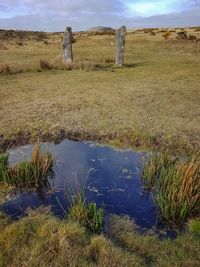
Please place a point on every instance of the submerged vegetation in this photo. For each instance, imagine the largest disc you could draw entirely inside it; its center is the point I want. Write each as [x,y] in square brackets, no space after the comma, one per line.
[87,214]
[82,105]
[41,239]
[176,184]
[27,175]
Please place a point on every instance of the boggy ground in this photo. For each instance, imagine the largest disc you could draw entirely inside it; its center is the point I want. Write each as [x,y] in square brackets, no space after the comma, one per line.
[153,99]
[43,240]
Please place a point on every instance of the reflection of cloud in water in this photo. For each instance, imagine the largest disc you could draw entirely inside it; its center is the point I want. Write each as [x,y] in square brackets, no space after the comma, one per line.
[72,163]
[110,177]
[20,154]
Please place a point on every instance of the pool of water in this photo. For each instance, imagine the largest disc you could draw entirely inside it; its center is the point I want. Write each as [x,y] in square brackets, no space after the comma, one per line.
[110,177]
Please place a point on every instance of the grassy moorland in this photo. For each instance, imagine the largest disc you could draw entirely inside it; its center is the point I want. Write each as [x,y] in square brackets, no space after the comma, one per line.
[43,240]
[153,99]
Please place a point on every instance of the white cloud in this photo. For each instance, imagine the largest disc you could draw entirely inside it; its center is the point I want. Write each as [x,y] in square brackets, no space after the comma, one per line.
[157,7]
[63,6]
[51,15]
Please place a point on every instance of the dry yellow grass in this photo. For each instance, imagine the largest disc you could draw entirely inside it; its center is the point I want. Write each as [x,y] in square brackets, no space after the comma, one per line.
[4,69]
[40,239]
[177,185]
[190,182]
[155,96]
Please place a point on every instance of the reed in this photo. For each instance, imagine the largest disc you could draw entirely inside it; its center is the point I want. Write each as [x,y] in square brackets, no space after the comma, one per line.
[87,214]
[154,166]
[27,175]
[3,166]
[43,162]
[177,186]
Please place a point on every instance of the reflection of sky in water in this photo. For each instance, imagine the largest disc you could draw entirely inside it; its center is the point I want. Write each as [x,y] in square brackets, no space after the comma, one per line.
[112,178]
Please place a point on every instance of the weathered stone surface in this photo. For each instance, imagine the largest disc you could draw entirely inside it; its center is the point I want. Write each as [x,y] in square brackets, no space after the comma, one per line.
[67,45]
[120,45]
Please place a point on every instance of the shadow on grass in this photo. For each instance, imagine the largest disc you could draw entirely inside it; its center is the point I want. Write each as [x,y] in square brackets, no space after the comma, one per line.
[135,65]
[113,67]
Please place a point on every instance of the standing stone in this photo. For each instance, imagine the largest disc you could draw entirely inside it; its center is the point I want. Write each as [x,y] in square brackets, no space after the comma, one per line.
[67,45]
[120,45]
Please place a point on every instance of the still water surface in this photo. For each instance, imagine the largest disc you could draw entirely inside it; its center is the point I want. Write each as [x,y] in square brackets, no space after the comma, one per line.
[110,177]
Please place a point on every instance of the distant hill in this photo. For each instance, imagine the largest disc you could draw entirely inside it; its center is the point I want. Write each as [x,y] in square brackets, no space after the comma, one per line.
[100,29]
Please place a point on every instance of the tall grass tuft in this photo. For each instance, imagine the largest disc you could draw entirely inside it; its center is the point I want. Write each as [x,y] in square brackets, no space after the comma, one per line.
[177,186]
[45,64]
[87,214]
[154,166]
[27,175]
[3,165]
[5,69]
[58,63]
[43,162]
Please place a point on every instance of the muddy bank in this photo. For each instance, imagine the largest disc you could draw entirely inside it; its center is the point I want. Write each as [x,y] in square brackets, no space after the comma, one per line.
[121,140]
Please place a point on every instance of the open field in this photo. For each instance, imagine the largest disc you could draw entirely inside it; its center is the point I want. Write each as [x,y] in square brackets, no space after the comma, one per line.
[153,101]
[154,98]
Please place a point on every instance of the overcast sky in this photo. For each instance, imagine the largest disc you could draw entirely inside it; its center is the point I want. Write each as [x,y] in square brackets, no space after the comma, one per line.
[55,15]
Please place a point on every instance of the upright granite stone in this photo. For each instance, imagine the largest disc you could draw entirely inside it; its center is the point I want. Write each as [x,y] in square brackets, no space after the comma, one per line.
[67,45]
[120,45]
